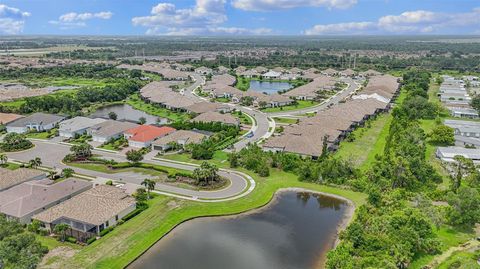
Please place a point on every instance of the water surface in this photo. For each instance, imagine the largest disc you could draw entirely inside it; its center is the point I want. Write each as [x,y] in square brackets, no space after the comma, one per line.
[269,87]
[127,113]
[296,231]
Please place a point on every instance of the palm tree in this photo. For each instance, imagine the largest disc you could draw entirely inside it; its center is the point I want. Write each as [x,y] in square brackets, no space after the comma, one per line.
[34,163]
[149,185]
[3,158]
[52,175]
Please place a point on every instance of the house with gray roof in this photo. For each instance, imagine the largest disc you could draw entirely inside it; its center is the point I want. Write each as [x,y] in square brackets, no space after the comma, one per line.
[213,116]
[448,154]
[37,121]
[77,126]
[109,129]
[23,201]
[10,178]
[90,212]
[181,137]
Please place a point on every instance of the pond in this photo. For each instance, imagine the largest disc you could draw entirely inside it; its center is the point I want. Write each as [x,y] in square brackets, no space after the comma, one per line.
[269,87]
[295,231]
[127,113]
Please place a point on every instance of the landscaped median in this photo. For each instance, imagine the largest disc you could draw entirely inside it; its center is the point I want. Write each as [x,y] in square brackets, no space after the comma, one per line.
[128,241]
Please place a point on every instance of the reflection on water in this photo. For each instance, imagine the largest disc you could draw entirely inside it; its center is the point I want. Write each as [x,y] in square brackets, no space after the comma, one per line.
[292,233]
[128,113]
[269,87]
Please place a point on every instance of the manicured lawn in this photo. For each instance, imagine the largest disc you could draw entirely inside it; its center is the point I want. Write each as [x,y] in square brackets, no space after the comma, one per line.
[104,169]
[285,120]
[128,241]
[137,103]
[52,243]
[243,83]
[41,135]
[301,104]
[219,158]
[461,260]
[244,119]
[11,166]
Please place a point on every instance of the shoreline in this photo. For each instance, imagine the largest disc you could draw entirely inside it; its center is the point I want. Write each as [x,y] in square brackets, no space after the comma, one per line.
[320,261]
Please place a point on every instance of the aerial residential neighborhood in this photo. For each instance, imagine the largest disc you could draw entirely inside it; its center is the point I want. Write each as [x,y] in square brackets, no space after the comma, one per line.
[261,134]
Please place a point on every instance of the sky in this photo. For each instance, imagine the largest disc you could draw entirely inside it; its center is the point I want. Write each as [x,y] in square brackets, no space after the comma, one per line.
[239,17]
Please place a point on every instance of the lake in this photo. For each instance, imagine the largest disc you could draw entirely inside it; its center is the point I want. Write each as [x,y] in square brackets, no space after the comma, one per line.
[294,231]
[269,87]
[127,113]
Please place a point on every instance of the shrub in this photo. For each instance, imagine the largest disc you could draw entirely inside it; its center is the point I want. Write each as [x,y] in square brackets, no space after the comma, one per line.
[106,231]
[91,240]
[72,239]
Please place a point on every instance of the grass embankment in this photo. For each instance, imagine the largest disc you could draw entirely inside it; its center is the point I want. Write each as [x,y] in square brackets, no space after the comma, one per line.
[286,120]
[219,158]
[130,240]
[137,103]
[301,105]
[147,169]
[369,140]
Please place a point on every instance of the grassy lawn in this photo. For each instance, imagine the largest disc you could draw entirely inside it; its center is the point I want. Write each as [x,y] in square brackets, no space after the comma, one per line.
[285,120]
[147,171]
[41,135]
[243,118]
[11,166]
[128,241]
[52,243]
[219,158]
[301,104]
[137,103]
[243,83]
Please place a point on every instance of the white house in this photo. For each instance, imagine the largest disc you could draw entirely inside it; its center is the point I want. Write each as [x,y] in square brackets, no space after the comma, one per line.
[77,126]
[37,121]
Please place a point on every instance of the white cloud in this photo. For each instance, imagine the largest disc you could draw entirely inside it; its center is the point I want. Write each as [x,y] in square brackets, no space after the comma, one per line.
[12,20]
[268,5]
[73,16]
[74,20]
[340,28]
[205,18]
[419,21]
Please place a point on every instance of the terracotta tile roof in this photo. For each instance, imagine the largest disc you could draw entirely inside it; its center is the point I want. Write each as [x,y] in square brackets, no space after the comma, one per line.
[145,133]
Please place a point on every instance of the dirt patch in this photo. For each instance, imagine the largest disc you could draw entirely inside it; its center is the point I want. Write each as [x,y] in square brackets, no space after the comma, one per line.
[54,257]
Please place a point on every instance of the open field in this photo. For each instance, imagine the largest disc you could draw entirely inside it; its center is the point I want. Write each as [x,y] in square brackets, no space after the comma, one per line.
[43,51]
[128,241]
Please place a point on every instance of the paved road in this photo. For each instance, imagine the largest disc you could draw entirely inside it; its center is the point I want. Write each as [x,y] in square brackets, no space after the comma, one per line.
[352,87]
[52,154]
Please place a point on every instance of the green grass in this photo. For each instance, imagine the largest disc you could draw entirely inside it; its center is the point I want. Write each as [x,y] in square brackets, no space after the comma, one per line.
[11,166]
[243,83]
[285,120]
[52,243]
[244,119]
[461,260]
[41,135]
[369,142]
[301,105]
[219,158]
[130,240]
[147,171]
[137,103]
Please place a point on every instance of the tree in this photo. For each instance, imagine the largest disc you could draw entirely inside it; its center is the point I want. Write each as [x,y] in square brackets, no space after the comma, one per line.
[134,156]
[475,103]
[463,166]
[149,185]
[141,197]
[34,163]
[464,207]
[442,135]
[142,120]
[81,151]
[112,115]
[52,175]
[34,226]
[67,172]
[233,158]
[61,230]
[206,173]
[15,142]
[3,158]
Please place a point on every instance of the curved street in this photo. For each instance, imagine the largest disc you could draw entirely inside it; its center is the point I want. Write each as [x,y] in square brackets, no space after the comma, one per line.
[52,154]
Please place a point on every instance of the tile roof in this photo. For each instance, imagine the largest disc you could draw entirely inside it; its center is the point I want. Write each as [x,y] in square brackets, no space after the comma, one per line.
[213,116]
[8,117]
[190,137]
[79,123]
[111,128]
[145,133]
[36,118]
[10,178]
[95,206]
[32,196]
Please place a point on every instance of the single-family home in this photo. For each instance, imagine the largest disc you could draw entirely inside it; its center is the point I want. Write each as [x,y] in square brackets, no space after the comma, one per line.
[463,112]
[329,72]
[23,201]
[143,135]
[10,178]
[203,70]
[6,118]
[181,137]
[90,212]
[37,121]
[109,129]
[213,116]
[77,126]
[272,75]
